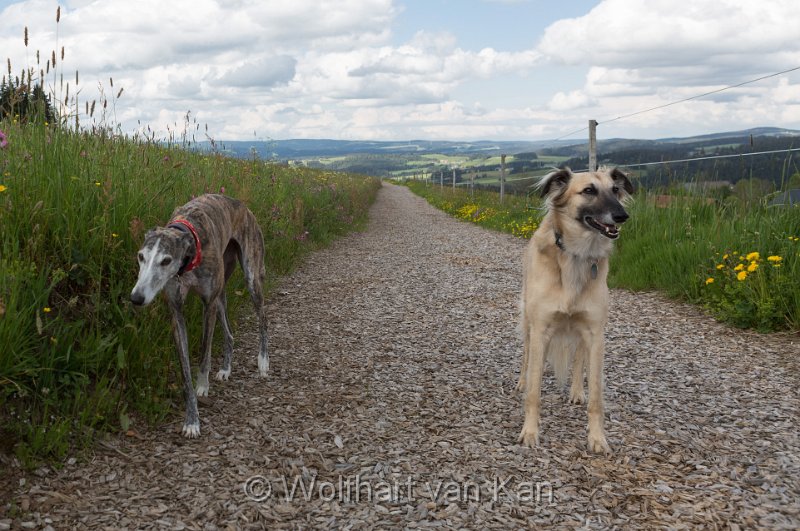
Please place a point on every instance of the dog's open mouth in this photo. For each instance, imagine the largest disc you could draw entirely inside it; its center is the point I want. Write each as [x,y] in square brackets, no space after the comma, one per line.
[609,231]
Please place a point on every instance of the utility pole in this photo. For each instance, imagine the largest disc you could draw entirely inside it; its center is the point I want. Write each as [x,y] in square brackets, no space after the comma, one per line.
[441,180]
[592,145]
[502,178]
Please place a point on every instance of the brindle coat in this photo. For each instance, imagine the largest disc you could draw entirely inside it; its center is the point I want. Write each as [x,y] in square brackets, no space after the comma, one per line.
[228,232]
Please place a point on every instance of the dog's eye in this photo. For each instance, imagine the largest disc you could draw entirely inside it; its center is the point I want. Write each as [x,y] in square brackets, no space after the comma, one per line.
[166,261]
[590,190]
[140,257]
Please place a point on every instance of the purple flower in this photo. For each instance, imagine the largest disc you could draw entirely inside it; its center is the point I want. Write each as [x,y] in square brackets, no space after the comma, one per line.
[3,140]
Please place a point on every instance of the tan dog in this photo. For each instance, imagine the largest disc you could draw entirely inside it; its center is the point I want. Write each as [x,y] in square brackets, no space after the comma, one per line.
[564,293]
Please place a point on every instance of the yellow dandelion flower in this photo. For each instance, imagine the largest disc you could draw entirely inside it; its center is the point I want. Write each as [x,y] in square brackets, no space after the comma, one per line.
[742,275]
[753,256]
[724,256]
[97,183]
[709,280]
[3,188]
[720,266]
[739,267]
[47,310]
[752,267]
[774,258]
[114,235]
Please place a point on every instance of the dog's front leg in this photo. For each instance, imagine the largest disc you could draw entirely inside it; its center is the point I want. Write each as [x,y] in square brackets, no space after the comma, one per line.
[191,428]
[537,346]
[597,436]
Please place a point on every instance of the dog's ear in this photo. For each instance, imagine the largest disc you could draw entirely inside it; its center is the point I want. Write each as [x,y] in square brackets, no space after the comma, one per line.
[556,180]
[150,233]
[622,180]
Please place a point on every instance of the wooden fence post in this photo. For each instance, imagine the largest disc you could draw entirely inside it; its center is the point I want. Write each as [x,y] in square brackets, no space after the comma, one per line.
[502,178]
[592,145]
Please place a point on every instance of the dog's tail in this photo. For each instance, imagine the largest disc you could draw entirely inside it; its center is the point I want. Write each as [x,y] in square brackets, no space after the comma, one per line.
[561,354]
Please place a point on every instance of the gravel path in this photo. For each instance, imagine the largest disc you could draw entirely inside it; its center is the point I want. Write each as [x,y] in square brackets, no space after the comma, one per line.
[390,404]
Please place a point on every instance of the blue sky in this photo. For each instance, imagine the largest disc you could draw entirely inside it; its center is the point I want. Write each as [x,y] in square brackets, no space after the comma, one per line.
[403,69]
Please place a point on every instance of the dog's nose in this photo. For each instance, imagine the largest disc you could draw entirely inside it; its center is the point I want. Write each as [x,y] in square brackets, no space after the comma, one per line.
[137,299]
[620,217]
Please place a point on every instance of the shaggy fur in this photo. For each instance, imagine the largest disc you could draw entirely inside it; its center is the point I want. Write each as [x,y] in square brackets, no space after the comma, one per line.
[565,295]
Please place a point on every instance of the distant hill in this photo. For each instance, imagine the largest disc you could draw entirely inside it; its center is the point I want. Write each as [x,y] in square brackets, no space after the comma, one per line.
[301,149]
[415,157]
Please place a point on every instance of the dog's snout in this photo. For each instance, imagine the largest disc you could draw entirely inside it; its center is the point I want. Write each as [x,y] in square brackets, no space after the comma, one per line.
[137,298]
[620,217]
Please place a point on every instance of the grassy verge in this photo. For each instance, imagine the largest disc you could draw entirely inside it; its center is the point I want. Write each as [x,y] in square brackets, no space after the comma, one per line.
[515,215]
[742,263]
[74,207]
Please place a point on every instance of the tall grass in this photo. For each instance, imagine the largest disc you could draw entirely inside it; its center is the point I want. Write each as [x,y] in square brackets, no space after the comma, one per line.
[74,206]
[741,262]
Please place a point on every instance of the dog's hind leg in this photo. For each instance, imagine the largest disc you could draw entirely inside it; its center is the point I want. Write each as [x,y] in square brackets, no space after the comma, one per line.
[252,261]
[576,394]
[209,321]
[227,337]
[533,376]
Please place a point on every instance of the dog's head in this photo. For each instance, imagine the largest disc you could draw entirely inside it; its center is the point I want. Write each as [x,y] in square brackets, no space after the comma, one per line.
[594,199]
[163,253]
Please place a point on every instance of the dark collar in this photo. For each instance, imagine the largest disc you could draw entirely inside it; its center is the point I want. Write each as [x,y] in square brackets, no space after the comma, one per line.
[560,245]
[183,225]
[560,241]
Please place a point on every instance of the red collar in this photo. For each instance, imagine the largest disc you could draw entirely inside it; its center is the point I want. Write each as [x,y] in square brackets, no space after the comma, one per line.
[198,257]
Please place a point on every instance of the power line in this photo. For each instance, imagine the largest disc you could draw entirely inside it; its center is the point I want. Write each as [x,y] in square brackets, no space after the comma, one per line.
[710,157]
[684,100]
[701,95]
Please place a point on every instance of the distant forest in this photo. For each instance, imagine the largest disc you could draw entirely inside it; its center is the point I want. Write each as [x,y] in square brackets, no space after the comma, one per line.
[776,168]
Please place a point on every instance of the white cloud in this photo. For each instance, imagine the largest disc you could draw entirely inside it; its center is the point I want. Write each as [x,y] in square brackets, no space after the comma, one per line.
[309,68]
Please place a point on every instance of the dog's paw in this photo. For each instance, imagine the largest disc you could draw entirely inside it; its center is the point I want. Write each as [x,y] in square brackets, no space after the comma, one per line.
[529,437]
[263,366]
[223,375]
[598,444]
[201,389]
[191,431]
[521,385]
[577,396]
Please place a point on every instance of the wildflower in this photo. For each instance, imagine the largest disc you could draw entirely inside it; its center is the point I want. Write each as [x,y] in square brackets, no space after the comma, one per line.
[114,235]
[3,140]
[742,275]
[97,183]
[720,266]
[739,267]
[774,258]
[724,256]
[752,267]
[753,256]
[3,188]
[47,309]
[709,280]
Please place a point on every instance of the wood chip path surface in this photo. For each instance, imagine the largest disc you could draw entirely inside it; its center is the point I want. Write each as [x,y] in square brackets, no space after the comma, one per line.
[390,404]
